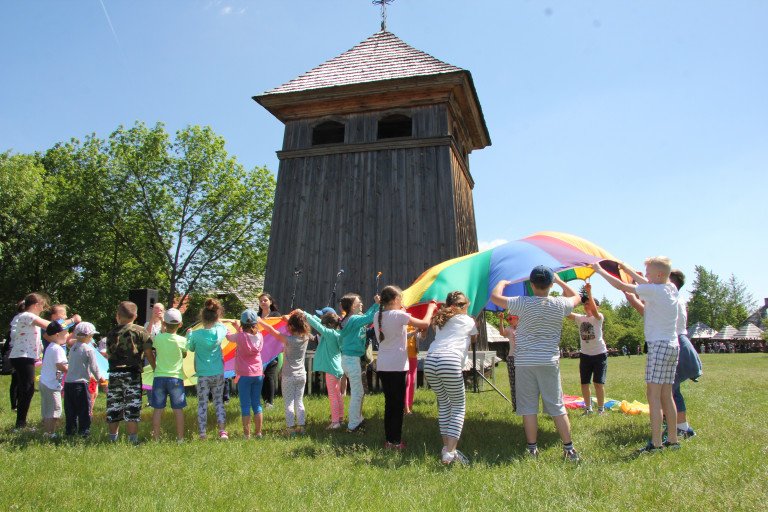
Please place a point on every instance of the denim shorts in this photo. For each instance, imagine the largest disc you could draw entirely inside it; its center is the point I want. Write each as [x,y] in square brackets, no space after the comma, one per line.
[164,387]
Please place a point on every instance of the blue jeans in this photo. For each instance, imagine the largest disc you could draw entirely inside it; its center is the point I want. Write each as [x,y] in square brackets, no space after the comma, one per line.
[351,367]
[164,387]
[250,394]
[77,408]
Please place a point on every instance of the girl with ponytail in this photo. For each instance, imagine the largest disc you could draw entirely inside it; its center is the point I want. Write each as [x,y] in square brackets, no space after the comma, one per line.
[209,364]
[443,369]
[391,327]
[27,348]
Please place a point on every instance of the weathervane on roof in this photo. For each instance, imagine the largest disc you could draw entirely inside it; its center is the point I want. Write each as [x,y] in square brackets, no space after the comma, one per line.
[383,4]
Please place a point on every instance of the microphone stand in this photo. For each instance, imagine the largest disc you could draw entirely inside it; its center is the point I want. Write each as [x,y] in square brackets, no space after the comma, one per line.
[332,298]
[296,275]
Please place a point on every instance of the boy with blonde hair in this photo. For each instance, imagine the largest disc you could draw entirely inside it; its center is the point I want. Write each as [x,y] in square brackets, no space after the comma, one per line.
[660,328]
[537,354]
[126,344]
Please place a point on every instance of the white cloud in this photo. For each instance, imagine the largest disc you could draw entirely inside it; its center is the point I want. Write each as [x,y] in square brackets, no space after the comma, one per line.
[226,10]
[484,246]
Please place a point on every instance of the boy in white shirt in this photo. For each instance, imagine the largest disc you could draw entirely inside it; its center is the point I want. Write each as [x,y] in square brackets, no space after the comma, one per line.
[593,360]
[660,327]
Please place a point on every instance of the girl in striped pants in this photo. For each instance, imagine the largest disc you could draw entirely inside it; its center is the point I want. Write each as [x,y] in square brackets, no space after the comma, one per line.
[443,369]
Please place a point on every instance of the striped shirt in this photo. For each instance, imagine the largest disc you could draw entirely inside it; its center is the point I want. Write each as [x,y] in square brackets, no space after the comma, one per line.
[537,339]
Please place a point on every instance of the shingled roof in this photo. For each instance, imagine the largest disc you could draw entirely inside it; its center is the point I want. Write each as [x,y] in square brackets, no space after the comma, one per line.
[383,56]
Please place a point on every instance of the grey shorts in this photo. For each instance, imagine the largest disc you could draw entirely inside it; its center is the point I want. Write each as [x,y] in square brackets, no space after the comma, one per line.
[50,402]
[532,382]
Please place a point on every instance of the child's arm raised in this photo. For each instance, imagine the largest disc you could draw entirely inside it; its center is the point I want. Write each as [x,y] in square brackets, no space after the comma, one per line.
[616,283]
[591,301]
[424,323]
[497,295]
[271,330]
[568,291]
[635,302]
[634,275]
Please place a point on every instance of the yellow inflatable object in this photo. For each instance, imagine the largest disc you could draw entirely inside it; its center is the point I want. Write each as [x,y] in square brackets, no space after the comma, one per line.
[634,407]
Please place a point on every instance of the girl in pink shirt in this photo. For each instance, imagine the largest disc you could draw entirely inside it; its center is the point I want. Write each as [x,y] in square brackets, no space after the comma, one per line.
[249,370]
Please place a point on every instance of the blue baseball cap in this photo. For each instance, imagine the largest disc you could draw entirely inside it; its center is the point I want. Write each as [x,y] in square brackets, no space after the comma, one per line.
[249,317]
[321,312]
[542,275]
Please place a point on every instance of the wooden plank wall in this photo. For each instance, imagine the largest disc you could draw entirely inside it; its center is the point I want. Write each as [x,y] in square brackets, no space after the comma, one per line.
[397,211]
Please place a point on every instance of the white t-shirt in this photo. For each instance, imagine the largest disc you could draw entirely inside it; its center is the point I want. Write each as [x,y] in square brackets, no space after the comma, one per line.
[49,374]
[26,337]
[591,334]
[153,329]
[682,318]
[453,338]
[537,339]
[509,332]
[660,317]
[393,349]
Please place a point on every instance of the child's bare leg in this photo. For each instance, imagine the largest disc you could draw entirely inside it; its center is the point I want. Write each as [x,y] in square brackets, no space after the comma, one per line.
[653,392]
[93,398]
[132,428]
[670,411]
[257,419]
[450,443]
[247,426]
[50,425]
[563,425]
[681,417]
[113,427]
[587,396]
[531,427]
[157,416]
[179,414]
[600,394]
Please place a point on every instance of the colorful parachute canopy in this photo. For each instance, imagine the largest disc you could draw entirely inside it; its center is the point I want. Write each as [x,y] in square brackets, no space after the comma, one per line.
[271,349]
[477,274]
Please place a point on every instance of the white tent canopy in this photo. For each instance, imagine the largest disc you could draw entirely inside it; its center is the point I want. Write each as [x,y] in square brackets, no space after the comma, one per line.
[726,333]
[700,330]
[750,332]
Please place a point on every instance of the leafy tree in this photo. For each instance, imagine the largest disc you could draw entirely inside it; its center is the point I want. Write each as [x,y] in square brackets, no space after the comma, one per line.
[205,219]
[718,303]
[24,200]
[88,220]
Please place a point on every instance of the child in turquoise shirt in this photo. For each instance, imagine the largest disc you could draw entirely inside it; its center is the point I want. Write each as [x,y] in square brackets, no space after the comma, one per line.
[209,365]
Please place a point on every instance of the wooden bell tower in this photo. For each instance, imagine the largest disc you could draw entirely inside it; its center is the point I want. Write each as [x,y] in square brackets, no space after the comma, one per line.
[374,171]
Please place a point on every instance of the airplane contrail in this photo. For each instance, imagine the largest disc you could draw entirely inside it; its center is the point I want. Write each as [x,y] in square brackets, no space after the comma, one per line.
[110,23]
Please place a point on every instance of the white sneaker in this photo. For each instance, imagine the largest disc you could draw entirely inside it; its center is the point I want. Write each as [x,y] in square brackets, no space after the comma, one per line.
[454,457]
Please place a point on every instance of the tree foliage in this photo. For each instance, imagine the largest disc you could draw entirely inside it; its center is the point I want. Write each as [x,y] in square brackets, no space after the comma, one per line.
[718,303]
[141,209]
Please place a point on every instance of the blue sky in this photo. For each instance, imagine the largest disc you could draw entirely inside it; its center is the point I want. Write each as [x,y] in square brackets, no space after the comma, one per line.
[641,126]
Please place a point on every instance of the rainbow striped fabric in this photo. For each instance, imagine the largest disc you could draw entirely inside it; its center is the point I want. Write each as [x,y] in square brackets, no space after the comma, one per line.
[477,274]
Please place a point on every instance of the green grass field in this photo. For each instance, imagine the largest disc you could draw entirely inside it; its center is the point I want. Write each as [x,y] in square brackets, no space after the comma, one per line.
[724,468]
